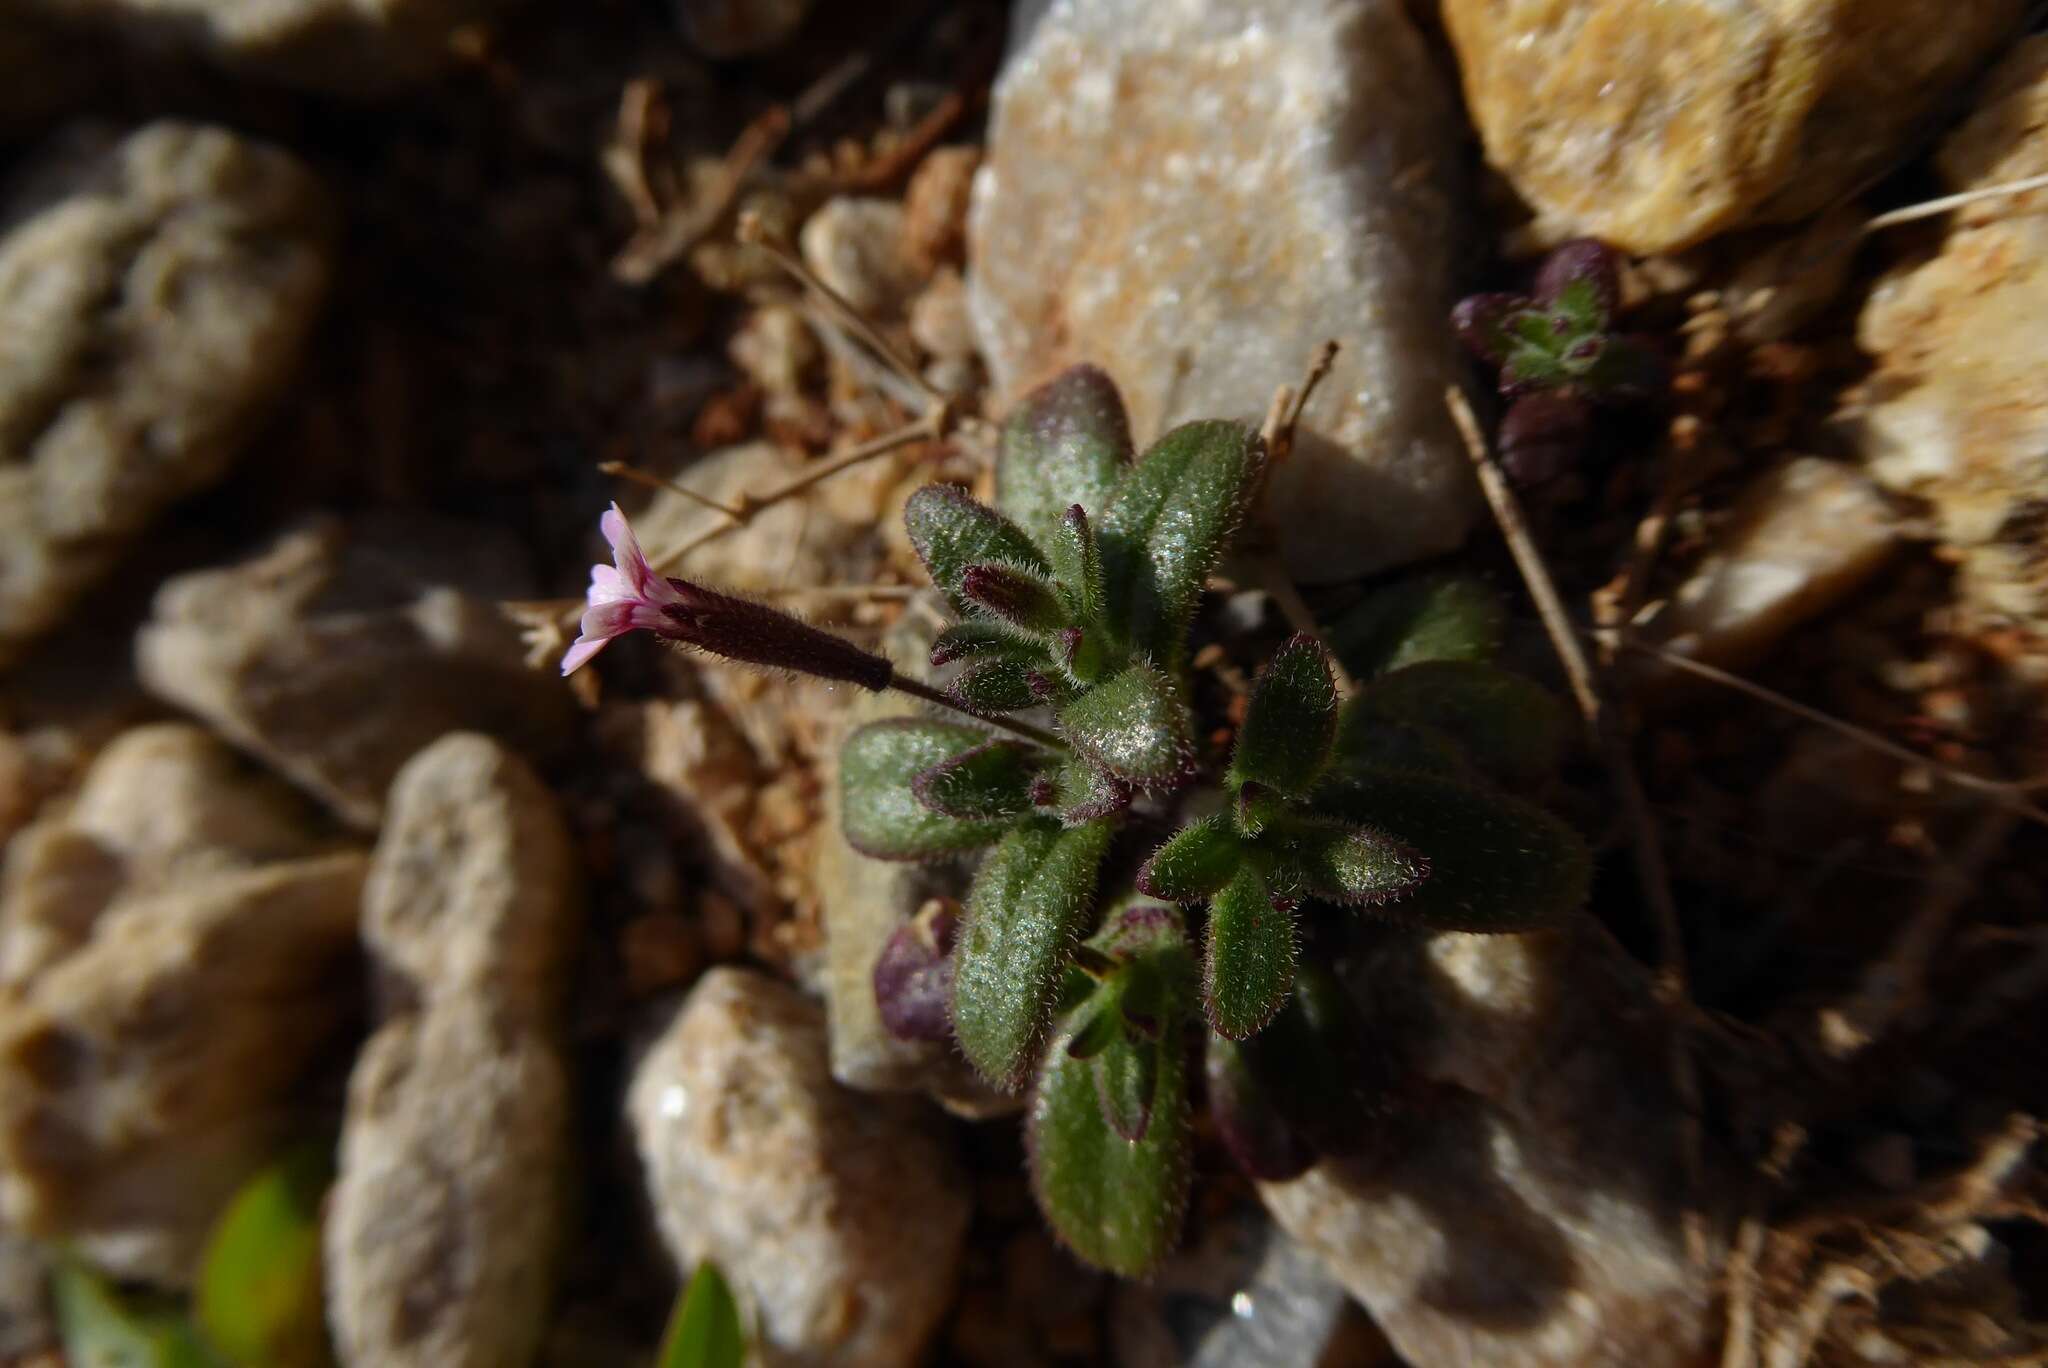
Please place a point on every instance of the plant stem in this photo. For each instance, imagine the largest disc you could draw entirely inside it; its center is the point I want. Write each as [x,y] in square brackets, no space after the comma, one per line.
[918,689]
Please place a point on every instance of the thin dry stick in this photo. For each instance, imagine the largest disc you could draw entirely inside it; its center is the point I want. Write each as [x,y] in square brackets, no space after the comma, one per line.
[2007,793]
[1282,416]
[1933,207]
[1651,872]
[621,470]
[657,246]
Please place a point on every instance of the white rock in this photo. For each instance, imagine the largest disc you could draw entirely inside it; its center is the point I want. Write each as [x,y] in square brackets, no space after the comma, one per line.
[155,295]
[281,653]
[1195,196]
[444,1225]
[1956,411]
[838,1218]
[1528,1216]
[1801,537]
[1655,126]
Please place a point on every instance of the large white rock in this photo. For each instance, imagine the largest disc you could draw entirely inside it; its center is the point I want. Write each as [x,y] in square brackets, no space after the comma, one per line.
[155,295]
[1527,1213]
[1195,195]
[1956,411]
[443,1229]
[838,1218]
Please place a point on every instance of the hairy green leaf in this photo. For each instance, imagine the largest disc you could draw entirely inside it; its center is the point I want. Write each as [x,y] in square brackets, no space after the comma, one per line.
[878,807]
[1126,1077]
[1077,565]
[1194,863]
[1362,867]
[1019,597]
[1081,793]
[1115,1203]
[1250,964]
[259,1293]
[1426,617]
[980,637]
[1248,1122]
[1171,520]
[992,781]
[1134,725]
[1509,726]
[1066,443]
[1285,740]
[951,530]
[704,1330]
[1029,902]
[1393,744]
[994,685]
[1497,863]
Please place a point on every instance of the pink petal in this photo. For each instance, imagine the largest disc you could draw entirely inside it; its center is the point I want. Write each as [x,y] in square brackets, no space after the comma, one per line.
[606,586]
[626,555]
[580,653]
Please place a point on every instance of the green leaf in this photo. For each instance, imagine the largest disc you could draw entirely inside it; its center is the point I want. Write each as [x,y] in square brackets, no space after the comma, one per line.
[1115,1203]
[991,781]
[1362,867]
[1171,520]
[879,809]
[1497,863]
[1194,863]
[101,1329]
[259,1294]
[1019,597]
[704,1329]
[1250,965]
[1077,565]
[1029,900]
[993,686]
[950,531]
[1391,744]
[1423,617]
[1126,1079]
[1067,443]
[1082,793]
[980,637]
[1291,721]
[1508,725]
[1134,725]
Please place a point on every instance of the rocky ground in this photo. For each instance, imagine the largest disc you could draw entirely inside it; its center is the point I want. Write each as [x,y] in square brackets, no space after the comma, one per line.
[318,319]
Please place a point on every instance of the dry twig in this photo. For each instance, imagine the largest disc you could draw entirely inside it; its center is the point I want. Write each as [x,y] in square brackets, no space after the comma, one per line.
[1282,417]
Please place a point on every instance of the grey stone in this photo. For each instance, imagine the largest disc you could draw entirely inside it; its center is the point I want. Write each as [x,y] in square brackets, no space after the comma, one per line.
[1655,126]
[283,653]
[1529,1213]
[150,1068]
[1195,196]
[155,296]
[444,1225]
[838,1219]
[1956,409]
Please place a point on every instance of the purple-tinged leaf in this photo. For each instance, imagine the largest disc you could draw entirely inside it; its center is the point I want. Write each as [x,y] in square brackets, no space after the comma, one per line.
[913,976]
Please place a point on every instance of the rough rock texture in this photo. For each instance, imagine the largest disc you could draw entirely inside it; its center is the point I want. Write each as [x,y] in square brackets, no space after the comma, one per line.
[1241,1293]
[1529,1212]
[155,294]
[1957,409]
[1655,126]
[279,652]
[176,956]
[1801,537]
[354,47]
[838,1218]
[1195,196]
[442,1229]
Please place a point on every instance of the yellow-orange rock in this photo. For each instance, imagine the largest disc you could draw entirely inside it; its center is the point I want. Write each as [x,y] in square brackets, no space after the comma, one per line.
[1657,125]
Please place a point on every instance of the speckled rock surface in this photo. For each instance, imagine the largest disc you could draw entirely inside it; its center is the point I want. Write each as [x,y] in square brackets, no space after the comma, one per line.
[1195,196]
[279,652]
[838,1218]
[1956,411]
[443,1227]
[177,955]
[1655,126]
[155,293]
[1529,1215]
[1800,538]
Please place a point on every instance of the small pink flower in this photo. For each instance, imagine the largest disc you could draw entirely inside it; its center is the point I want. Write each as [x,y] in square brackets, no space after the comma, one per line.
[624,596]
[627,596]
